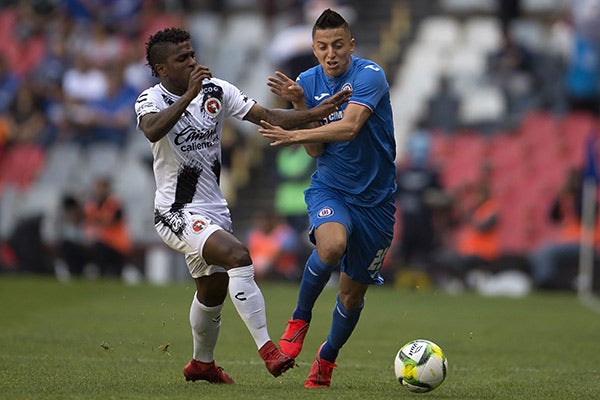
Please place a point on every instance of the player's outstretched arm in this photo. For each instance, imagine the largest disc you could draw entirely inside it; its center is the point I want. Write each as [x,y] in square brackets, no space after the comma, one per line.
[343,130]
[296,118]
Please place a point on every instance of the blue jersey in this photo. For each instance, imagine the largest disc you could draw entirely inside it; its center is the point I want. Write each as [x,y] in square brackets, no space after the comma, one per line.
[362,170]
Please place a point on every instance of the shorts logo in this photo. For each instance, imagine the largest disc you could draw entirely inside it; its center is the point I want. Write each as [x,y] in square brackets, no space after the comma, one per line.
[198,225]
[212,107]
[325,212]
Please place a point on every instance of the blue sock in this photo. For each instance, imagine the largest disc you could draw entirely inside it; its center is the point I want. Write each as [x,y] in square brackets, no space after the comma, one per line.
[316,275]
[342,326]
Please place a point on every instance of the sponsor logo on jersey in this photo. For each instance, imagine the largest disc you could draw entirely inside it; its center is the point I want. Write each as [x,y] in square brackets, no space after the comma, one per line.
[373,67]
[334,116]
[191,138]
[325,212]
[321,96]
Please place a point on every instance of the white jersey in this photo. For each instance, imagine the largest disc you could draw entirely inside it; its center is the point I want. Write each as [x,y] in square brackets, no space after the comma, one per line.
[187,160]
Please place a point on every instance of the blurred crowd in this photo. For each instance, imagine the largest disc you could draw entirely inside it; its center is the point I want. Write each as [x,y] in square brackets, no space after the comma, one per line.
[70,71]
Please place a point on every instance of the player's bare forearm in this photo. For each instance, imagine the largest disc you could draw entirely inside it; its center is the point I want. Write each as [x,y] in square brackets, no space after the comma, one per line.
[289,119]
[334,132]
[156,125]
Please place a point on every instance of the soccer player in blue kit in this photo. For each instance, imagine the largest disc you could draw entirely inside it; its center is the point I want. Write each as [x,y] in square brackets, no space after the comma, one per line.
[351,196]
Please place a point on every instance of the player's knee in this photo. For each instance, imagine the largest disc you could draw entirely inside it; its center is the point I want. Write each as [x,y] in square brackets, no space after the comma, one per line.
[239,257]
[351,301]
[331,252]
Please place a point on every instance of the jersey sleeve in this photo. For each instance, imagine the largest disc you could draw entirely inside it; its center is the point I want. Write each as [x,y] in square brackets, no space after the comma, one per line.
[369,86]
[146,103]
[237,103]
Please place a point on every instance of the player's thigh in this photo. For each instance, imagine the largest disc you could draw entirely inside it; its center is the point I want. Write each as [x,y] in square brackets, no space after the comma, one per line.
[187,234]
[330,223]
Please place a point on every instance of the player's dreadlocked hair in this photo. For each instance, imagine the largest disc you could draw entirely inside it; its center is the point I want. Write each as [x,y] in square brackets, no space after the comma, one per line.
[156,44]
[329,19]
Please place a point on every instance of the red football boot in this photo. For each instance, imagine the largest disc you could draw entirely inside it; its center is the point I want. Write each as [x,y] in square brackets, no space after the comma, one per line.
[197,370]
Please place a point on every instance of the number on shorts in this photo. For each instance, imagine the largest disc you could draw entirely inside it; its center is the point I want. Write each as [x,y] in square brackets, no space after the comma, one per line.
[378,261]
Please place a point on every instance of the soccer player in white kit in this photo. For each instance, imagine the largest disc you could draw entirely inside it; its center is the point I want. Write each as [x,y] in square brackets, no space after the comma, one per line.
[182,117]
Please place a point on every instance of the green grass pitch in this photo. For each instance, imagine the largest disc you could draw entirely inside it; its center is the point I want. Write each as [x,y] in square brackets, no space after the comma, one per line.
[105,340]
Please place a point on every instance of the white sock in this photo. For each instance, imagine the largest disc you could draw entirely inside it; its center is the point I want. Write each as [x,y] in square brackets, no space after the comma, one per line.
[206,323]
[249,302]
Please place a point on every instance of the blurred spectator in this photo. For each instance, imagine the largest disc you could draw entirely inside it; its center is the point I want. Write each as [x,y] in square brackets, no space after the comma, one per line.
[472,249]
[291,49]
[109,119]
[27,118]
[23,39]
[511,68]
[508,11]
[582,81]
[563,248]
[577,37]
[102,46]
[9,84]
[27,133]
[47,82]
[106,229]
[82,84]
[273,247]
[26,248]
[421,202]
[420,198]
[443,108]
[585,17]
[136,73]
[71,247]
[479,236]
[477,241]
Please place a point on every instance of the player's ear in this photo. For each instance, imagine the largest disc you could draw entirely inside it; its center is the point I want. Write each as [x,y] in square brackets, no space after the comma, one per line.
[160,69]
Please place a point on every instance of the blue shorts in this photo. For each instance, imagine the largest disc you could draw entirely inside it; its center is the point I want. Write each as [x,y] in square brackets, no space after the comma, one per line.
[370,231]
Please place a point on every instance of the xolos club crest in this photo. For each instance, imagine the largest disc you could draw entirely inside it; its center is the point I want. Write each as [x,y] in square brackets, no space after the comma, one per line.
[198,225]
[212,96]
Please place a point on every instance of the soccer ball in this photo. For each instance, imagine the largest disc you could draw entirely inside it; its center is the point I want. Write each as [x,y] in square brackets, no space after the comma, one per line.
[420,366]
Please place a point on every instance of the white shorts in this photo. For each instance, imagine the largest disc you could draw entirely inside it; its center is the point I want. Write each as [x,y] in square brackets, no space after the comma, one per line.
[187,233]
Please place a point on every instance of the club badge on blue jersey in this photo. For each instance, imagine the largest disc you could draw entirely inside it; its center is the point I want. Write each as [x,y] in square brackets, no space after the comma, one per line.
[325,212]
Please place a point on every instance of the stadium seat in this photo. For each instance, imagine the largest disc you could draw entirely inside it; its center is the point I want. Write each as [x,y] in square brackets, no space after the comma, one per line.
[483,32]
[20,165]
[440,32]
[62,166]
[101,159]
[468,6]
[482,105]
